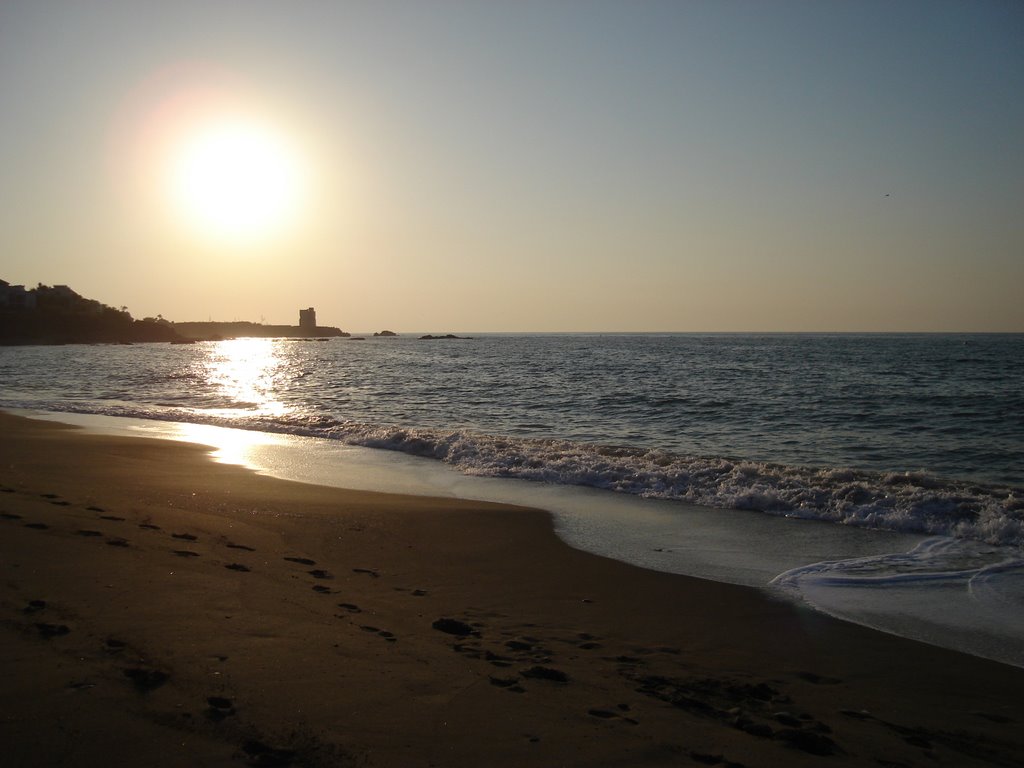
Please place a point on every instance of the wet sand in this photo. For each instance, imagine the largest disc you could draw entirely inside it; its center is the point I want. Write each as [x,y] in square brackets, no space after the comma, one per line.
[159,609]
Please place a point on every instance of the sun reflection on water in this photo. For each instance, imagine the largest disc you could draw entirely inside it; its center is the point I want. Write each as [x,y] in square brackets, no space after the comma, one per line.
[248,374]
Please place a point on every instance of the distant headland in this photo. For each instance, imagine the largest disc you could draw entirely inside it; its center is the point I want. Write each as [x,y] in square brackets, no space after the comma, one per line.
[306,329]
[59,315]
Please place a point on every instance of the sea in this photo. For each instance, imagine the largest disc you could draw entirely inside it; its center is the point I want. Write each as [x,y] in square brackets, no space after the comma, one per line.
[878,478]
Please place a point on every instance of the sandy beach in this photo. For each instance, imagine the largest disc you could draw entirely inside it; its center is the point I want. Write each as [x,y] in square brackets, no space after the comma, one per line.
[160,609]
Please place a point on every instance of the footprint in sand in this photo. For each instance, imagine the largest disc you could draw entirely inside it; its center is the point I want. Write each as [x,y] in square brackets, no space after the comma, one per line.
[496,660]
[607,714]
[146,678]
[627,660]
[320,574]
[504,682]
[301,560]
[184,536]
[89,534]
[241,546]
[33,606]
[38,526]
[389,636]
[454,627]
[61,503]
[149,527]
[10,516]
[321,589]
[185,553]
[546,673]
[367,571]
[52,630]
[350,607]
[219,708]
[237,567]
[114,518]
[470,651]
[49,496]
[95,509]
[263,754]
[118,542]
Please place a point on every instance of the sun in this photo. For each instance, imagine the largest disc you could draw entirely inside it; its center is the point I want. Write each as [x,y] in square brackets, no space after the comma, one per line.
[236,179]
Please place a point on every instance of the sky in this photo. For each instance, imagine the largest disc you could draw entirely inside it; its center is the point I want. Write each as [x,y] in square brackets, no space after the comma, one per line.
[537,165]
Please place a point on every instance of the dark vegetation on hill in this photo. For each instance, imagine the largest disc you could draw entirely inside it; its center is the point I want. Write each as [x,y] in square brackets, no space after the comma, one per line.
[59,315]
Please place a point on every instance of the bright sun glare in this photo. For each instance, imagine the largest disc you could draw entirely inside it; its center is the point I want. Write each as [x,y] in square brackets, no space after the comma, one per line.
[236,179]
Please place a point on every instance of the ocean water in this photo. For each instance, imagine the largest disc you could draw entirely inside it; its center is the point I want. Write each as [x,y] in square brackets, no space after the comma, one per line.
[879,478]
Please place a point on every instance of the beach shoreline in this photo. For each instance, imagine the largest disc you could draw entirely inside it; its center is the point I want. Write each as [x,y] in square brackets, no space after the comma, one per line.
[170,610]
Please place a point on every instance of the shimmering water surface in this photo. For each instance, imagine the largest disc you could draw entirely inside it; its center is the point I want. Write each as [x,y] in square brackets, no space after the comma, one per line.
[917,434]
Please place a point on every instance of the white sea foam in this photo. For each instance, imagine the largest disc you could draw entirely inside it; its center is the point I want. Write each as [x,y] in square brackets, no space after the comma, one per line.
[910,503]
[901,502]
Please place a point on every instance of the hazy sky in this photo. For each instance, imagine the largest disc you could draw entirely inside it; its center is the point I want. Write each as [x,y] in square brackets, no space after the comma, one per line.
[523,166]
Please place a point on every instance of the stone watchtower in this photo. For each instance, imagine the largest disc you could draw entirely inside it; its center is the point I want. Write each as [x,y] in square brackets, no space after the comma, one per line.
[307,319]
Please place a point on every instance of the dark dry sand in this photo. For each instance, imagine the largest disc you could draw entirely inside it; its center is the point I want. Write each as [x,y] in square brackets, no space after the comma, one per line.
[159,609]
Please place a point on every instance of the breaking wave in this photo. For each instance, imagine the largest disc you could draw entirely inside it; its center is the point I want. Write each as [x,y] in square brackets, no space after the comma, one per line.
[905,502]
